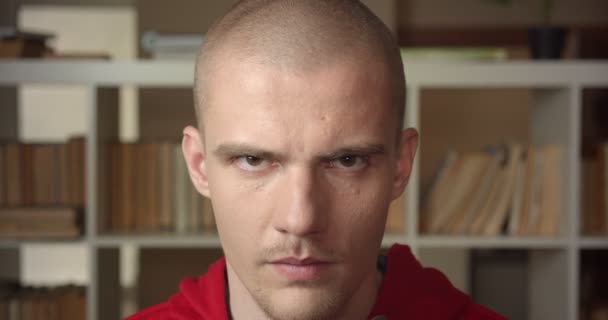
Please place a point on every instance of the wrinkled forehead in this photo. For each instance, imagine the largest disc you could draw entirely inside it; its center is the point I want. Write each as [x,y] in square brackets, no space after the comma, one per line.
[345,77]
[249,100]
[235,68]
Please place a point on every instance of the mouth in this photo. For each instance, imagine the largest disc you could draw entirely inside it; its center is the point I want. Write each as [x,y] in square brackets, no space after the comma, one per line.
[300,269]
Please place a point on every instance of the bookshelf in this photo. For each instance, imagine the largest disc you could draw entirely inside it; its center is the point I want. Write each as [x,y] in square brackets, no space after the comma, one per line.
[555,117]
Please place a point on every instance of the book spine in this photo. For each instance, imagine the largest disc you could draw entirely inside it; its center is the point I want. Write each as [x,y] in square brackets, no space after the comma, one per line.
[179,191]
[27,174]
[165,183]
[3,177]
[396,217]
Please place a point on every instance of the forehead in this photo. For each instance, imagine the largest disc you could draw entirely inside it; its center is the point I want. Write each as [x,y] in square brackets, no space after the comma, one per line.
[326,105]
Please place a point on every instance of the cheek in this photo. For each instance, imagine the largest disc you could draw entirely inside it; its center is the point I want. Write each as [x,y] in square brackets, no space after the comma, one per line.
[360,211]
[233,203]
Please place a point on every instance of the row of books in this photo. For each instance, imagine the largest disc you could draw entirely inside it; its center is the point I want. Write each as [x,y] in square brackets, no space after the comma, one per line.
[36,303]
[508,189]
[594,195]
[19,223]
[149,190]
[42,174]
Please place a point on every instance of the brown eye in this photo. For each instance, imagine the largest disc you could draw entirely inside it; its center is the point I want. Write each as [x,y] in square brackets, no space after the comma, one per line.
[349,162]
[252,163]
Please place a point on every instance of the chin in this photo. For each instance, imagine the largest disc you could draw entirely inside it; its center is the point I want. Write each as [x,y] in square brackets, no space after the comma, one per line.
[302,304]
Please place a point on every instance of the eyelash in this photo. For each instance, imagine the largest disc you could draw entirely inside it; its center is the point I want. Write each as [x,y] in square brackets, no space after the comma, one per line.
[363,159]
[235,160]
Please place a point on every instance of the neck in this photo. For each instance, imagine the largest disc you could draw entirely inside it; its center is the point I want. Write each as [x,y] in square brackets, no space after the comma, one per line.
[243,305]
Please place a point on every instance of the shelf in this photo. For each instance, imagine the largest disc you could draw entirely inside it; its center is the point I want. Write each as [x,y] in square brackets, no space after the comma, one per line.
[458,74]
[491,242]
[15,244]
[598,242]
[193,241]
[160,241]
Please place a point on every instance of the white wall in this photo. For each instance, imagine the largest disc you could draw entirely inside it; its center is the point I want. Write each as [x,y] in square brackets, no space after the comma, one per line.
[54,265]
[51,113]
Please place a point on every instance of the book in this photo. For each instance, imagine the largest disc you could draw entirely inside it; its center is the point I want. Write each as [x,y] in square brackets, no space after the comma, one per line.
[13,175]
[471,210]
[469,186]
[396,216]
[127,198]
[140,165]
[506,189]
[66,302]
[33,174]
[63,169]
[152,195]
[27,174]
[40,222]
[165,183]
[115,189]
[17,43]
[180,187]
[604,186]
[3,177]
[495,191]
[463,170]
[518,195]
[527,193]
[551,196]
[43,166]
[77,163]
[533,212]
[500,209]
[433,203]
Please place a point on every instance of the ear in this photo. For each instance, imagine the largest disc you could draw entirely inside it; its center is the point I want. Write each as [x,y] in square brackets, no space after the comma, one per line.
[194,154]
[407,151]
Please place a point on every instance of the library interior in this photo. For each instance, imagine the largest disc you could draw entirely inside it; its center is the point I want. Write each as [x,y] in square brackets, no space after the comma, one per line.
[94,95]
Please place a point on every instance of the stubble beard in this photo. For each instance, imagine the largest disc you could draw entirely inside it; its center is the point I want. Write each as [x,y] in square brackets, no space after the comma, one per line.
[326,307]
[309,301]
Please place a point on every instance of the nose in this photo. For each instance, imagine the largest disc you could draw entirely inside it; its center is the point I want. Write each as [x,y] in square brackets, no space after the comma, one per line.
[301,211]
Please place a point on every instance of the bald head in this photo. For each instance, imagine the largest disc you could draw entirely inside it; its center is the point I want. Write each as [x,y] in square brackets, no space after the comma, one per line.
[299,36]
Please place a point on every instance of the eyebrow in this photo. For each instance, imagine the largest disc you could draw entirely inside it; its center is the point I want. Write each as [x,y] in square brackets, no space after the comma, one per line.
[367,149]
[229,150]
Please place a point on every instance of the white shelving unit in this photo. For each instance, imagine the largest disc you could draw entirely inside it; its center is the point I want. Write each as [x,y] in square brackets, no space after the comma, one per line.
[555,118]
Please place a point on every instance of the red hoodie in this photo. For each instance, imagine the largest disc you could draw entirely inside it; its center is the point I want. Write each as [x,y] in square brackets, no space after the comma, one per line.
[408,291]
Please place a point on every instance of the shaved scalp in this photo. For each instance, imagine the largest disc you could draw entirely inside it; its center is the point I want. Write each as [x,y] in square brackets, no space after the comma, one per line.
[299,36]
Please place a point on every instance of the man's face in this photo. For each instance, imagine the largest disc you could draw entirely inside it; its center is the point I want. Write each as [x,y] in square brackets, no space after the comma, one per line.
[301,168]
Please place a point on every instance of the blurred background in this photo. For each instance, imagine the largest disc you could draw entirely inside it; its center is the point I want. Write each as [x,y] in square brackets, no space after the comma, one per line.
[98,218]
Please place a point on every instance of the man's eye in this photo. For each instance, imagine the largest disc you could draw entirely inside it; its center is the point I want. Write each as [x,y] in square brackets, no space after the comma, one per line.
[350,162]
[252,163]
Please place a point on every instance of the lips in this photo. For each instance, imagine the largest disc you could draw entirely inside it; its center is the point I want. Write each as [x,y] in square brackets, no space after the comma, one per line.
[295,269]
